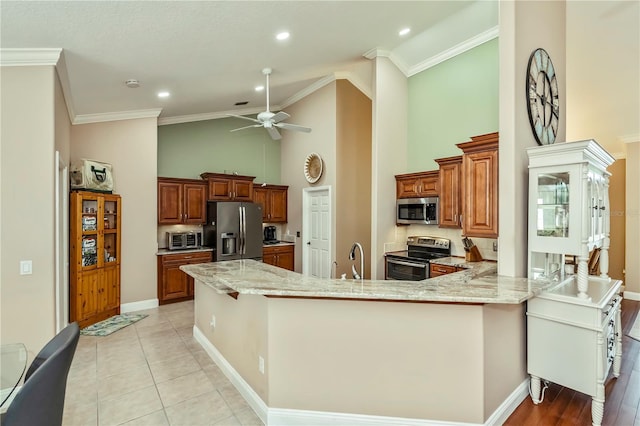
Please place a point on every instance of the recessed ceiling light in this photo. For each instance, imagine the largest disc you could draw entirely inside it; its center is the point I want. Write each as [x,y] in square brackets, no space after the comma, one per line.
[259,88]
[163,94]
[404,31]
[282,36]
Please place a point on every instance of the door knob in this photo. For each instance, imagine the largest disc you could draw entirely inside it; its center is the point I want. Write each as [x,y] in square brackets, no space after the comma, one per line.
[308,243]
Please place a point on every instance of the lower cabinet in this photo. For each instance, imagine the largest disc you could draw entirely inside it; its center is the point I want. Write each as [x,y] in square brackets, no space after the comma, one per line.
[281,256]
[436,270]
[173,284]
[96,295]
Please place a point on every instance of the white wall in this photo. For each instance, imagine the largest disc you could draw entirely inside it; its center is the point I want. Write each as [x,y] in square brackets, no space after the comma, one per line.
[131,147]
[521,34]
[318,112]
[389,157]
[27,204]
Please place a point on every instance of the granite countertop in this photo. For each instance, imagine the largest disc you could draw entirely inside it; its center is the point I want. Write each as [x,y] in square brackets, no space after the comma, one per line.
[279,243]
[477,284]
[163,251]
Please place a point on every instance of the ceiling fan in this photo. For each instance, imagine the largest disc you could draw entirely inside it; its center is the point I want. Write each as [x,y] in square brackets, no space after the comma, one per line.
[269,120]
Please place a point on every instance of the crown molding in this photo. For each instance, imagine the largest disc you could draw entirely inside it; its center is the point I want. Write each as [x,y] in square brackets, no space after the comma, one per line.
[30,57]
[381,53]
[459,48]
[629,138]
[116,116]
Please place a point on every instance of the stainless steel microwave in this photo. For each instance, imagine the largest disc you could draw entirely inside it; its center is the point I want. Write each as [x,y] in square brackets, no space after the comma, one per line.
[424,211]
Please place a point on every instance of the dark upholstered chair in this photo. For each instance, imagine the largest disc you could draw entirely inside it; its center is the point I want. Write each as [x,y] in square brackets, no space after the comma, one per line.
[40,401]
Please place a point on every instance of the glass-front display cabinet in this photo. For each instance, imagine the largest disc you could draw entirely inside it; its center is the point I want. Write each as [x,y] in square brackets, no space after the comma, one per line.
[568,209]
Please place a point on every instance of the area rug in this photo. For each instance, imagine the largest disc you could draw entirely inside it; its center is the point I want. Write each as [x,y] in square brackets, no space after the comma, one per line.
[634,333]
[111,325]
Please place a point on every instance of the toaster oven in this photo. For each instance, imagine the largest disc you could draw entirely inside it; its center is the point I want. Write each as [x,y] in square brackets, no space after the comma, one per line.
[184,240]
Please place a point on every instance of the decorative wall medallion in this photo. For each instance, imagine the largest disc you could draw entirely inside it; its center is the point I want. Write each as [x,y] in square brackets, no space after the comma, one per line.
[313,167]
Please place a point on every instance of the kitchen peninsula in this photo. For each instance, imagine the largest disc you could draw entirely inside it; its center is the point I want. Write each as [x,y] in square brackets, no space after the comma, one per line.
[304,350]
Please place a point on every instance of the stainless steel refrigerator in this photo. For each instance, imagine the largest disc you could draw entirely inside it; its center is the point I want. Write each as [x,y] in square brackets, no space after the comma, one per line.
[234,229]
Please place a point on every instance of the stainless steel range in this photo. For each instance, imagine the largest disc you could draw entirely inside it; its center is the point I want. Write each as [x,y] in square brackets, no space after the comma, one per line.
[413,264]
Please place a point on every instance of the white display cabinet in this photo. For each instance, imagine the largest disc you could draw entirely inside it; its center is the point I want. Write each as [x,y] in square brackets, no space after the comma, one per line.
[568,208]
[574,335]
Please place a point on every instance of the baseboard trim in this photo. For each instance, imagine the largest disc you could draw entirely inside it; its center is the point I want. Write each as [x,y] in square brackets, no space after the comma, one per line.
[139,306]
[291,417]
[254,400]
[631,295]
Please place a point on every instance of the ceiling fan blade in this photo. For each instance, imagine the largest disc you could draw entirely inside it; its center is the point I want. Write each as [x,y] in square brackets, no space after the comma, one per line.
[293,127]
[245,118]
[273,132]
[246,127]
[280,116]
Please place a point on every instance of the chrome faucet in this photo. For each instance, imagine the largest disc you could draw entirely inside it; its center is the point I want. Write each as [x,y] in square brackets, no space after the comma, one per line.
[352,256]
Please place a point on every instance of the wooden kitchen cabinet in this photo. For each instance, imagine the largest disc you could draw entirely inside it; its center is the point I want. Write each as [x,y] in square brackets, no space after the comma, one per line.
[273,199]
[450,181]
[480,193]
[173,284]
[94,257]
[281,256]
[224,187]
[182,201]
[417,185]
[436,270]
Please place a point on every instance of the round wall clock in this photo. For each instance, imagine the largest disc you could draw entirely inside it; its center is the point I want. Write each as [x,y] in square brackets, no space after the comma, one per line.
[312,167]
[543,104]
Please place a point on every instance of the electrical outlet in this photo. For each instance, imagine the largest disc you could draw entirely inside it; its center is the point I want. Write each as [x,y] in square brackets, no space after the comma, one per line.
[213,321]
[26,267]
[261,364]
[495,246]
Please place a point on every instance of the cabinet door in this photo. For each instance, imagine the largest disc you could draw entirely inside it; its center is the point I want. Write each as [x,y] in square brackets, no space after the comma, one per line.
[170,202]
[278,208]
[428,186]
[450,195]
[86,295]
[110,288]
[481,194]
[195,203]
[220,189]
[174,281]
[261,196]
[285,260]
[242,190]
[407,188]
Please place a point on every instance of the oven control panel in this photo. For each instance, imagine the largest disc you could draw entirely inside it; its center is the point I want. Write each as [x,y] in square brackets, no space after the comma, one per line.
[433,242]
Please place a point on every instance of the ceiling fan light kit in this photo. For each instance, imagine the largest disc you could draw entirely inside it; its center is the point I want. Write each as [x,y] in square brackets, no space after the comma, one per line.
[269,120]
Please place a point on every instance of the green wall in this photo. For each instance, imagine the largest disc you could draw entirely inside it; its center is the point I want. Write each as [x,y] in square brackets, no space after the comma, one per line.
[187,149]
[451,102]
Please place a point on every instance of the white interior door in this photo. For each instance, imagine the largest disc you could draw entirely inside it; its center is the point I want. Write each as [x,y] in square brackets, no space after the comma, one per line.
[61,242]
[316,228]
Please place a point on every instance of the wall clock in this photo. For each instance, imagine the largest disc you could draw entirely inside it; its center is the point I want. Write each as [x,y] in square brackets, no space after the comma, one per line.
[312,167]
[543,104]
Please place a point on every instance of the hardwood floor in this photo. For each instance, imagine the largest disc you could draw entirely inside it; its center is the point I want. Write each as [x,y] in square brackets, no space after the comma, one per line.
[563,406]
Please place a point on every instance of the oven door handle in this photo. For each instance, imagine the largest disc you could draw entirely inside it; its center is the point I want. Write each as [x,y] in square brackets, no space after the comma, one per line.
[413,265]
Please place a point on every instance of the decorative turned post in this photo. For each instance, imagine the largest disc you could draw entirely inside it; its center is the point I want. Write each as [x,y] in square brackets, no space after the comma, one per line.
[597,402]
[617,359]
[583,257]
[606,221]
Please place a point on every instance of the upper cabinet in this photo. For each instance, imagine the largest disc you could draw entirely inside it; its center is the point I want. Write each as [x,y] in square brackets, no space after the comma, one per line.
[273,199]
[224,187]
[480,190]
[181,201]
[569,201]
[417,185]
[450,191]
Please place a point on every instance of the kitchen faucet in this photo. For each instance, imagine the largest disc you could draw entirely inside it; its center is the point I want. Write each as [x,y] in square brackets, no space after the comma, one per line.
[352,256]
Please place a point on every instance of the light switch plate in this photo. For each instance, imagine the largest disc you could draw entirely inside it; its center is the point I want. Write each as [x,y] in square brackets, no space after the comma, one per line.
[26,267]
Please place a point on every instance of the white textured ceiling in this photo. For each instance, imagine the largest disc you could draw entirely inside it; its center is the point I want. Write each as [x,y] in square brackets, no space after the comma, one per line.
[209,54]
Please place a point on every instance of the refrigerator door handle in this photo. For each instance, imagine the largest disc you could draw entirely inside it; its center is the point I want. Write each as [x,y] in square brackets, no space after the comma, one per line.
[240,240]
[243,226]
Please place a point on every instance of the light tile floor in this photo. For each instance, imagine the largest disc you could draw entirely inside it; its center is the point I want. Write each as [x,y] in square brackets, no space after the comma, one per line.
[151,373]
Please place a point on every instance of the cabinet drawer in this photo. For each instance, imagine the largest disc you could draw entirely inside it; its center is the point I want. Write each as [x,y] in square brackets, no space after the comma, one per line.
[438,270]
[184,258]
[277,249]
